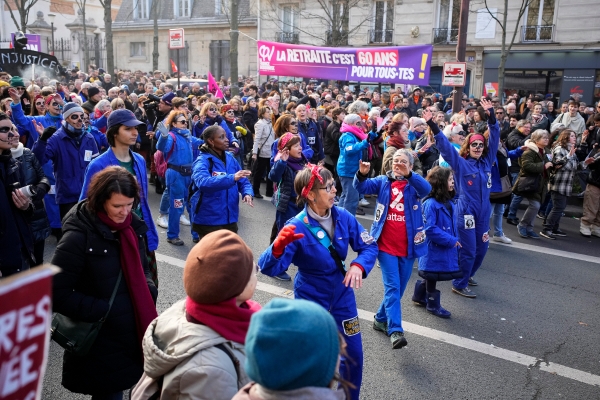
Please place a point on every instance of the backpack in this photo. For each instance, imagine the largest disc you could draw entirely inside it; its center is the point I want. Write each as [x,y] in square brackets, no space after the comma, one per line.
[159,159]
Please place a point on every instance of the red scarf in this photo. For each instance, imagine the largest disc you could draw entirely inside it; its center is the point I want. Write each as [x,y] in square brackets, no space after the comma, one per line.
[396,141]
[131,264]
[225,318]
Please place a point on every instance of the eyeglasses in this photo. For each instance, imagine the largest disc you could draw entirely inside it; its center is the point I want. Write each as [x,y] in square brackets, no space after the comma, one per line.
[39,103]
[75,117]
[328,187]
[499,113]
[477,145]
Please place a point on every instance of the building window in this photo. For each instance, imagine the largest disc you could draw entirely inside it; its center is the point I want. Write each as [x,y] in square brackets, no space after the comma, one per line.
[218,7]
[182,8]
[219,58]
[141,9]
[289,18]
[447,24]
[137,49]
[340,21]
[539,19]
[383,22]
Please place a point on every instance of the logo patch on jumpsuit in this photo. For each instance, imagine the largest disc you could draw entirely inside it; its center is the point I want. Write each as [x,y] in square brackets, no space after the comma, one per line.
[419,237]
[368,239]
[469,222]
[485,238]
[351,326]
[178,203]
[489,182]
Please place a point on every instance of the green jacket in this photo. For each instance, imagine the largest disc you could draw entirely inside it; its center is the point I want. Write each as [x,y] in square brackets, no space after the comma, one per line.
[532,164]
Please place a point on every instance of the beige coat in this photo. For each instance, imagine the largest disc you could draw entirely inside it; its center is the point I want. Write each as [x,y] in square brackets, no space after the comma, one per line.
[184,353]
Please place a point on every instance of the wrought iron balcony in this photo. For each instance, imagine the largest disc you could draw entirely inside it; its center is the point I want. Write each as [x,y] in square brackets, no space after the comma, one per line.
[445,36]
[287,37]
[381,36]
[337,38]
[537,33]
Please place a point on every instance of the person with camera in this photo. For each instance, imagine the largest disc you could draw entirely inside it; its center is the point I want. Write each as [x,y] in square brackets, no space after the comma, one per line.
[16,241]
[564,161]
[70,149]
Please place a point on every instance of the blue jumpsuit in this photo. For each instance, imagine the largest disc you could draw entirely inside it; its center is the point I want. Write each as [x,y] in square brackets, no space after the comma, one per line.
[319,279]
[177,183]
[473,181]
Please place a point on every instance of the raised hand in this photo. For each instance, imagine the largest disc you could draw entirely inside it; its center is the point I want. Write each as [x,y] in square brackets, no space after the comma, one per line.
[39,128]
[286,236]
[427,115]
[364,167]
[487,106]
[284,154]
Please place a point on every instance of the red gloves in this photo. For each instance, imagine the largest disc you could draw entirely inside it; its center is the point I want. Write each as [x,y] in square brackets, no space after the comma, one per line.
[286,236]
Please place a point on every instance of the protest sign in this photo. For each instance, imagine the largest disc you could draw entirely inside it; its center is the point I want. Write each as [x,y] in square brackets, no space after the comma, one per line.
[398,64]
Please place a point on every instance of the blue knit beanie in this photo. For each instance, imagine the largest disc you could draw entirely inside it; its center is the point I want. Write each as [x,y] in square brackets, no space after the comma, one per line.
[292,344]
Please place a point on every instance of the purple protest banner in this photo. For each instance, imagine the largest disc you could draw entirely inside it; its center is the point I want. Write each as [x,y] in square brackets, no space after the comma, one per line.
[34,42]
[398,64]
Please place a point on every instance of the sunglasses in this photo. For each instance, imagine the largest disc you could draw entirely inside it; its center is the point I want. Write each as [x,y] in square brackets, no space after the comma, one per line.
[182,121]
[20,88]
[476,145]
[328,187]
[499,113]
[75,117]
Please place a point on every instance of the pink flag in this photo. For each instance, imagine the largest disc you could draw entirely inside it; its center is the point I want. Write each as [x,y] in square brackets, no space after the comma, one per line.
[213,87]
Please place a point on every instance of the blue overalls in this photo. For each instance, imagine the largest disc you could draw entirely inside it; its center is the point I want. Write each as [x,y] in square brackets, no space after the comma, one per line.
[177,182]
[320,280]
[473,181]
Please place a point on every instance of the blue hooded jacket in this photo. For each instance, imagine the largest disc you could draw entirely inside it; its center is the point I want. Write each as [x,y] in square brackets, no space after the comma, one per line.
[318,278]
[416,188]
[139,166]
[215,196]
[441,227]
[351,150]
[70,162]
[182,154]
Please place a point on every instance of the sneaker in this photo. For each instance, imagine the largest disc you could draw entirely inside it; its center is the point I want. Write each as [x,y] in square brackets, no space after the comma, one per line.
[465,292]
[184,221]
[176,242]
[558,232]
[512,221]
[541,216]
[502,239]
[398,340]
[585,230]
[283,277]
[532,235]
[380,326]
[522,231]
[364,202]
[360,211]
[162,221]
[472,282]
[547,234]
[595,231]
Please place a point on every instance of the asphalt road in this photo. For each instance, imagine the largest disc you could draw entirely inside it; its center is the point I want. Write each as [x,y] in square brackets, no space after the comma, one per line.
[532,333]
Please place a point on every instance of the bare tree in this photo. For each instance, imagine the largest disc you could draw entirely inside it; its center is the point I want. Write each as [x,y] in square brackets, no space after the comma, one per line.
[86,54]
[324,15]
[505,48]
[23,8]
[108,36]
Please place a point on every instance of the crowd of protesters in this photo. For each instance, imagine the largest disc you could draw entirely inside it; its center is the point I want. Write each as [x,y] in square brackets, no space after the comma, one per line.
[78,157]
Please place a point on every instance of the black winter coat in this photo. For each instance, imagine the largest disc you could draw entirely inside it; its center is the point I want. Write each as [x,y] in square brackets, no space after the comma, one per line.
[33,174]
[514,141]
[16,243]
[251,118]
[89,256]
[331,143]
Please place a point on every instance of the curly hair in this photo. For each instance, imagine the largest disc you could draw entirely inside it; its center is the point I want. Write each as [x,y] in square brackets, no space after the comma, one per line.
[464,149]
[438,179]
[563,138]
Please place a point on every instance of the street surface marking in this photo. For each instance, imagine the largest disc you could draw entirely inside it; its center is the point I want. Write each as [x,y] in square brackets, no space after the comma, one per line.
[469,344]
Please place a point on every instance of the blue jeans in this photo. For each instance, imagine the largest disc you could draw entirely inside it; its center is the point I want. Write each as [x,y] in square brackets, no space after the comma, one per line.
[395,272]
[497,211]
[516,200]
[163,209]
[349,198]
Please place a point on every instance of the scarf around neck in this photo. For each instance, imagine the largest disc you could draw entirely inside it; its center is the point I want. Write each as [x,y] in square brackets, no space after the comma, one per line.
[358,132]
[181,132]
[211,121]
[396,141]
[296,164]
[225,318]
[131,264]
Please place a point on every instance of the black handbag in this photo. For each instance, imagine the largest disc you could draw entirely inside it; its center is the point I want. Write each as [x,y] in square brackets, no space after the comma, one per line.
[77,337]
[528,184]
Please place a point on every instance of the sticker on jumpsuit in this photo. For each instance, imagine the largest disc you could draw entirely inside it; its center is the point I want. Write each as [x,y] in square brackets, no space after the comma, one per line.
[178,203]
[379,211]
[351,326]
[368,239]
[420,237]
[485,238]
[489,182]
[469,222]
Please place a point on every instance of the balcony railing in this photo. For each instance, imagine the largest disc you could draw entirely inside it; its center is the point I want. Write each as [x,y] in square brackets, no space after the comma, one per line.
[381,36]
[337,38]
[445,36]
[287,37]
[537,33]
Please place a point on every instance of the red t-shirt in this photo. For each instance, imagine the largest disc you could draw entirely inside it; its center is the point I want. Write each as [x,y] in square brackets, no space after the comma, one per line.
[393,239]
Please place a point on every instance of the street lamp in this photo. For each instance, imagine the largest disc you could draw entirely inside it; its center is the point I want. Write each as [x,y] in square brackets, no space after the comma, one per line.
[51,17]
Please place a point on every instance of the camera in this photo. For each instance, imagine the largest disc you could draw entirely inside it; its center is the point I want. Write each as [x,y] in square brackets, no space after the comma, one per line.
[152,102]
[28,191]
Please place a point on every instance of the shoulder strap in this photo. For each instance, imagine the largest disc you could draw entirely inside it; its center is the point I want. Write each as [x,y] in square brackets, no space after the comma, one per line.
[114,293]
[323,238]
[233,358]
[172,148]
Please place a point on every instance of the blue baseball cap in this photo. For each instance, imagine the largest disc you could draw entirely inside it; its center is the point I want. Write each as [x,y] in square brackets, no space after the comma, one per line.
[122,117]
